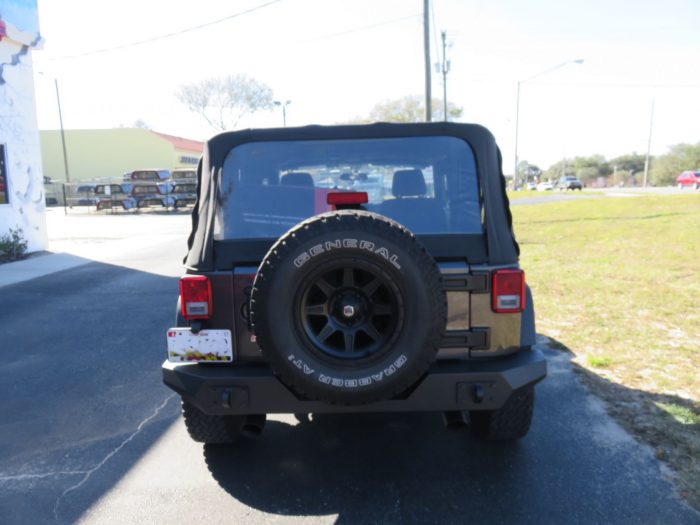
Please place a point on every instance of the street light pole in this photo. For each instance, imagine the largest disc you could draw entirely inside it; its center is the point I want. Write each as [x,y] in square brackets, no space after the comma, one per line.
[445,70]
[63,135]
[284,109]
[426,53]
[651,127]
[517,108]
[517,123]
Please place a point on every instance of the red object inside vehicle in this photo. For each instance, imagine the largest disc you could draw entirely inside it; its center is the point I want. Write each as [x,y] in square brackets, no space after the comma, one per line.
[345,198]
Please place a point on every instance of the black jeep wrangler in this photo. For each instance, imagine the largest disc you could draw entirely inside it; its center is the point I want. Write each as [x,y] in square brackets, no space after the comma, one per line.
[308,293]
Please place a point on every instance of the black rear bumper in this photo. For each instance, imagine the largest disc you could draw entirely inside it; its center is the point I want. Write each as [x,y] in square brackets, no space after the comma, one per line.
[473,385]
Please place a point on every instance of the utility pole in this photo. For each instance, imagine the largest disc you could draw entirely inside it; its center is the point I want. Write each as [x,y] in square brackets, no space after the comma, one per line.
[445,69]
[651,126]
[63,136]
[426,47]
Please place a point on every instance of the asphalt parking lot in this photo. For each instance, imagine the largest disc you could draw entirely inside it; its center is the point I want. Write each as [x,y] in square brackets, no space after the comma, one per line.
[90,435]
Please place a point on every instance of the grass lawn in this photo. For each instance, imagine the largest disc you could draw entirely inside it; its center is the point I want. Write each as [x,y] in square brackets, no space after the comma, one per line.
[617,282]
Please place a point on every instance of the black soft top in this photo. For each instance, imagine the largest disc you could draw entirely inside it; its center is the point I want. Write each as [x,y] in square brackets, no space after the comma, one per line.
[500,246]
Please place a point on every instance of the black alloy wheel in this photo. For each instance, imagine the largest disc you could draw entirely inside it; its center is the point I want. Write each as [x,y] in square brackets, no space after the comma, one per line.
[350,311]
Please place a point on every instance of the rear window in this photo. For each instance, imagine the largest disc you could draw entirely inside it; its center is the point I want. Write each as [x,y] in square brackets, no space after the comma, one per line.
[428,184]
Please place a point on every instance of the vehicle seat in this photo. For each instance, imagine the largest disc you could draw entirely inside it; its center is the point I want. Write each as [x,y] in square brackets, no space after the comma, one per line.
[410,205]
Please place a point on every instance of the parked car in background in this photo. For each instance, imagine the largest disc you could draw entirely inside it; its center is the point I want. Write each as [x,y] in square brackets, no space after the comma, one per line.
[112,196]
[545,185]
[688,179]
[153,195]
[82,195]
[155,175]
[372,184]
[184,194]
[188,174]
[531,186]
[569,182]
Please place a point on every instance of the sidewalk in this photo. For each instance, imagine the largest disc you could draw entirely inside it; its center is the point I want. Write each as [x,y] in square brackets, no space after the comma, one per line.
[19,271]
[79,238]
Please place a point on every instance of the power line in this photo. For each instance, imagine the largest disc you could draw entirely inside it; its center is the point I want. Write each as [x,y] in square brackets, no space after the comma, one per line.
[617,84]
[435,39]
[358,29]
[166,35]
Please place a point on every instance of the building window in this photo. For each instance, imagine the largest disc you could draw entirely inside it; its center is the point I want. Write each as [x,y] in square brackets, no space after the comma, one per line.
[4,190]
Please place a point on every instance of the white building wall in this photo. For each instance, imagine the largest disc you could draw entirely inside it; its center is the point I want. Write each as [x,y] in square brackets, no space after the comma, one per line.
[19,134]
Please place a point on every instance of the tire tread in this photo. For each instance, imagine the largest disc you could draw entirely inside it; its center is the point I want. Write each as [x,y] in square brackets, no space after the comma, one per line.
[207,429]
[512,421]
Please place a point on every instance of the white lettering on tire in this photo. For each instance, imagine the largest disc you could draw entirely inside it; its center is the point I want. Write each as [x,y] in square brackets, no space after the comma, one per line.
[349,383]
[299,261]
[328,246]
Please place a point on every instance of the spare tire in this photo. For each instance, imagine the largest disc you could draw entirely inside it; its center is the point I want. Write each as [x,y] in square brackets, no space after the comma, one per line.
[348,308]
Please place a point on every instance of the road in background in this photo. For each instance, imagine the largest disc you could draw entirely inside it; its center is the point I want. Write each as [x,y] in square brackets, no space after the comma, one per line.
[90,434]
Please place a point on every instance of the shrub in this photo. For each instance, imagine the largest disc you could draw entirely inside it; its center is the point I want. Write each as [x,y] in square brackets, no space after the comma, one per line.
[13,245]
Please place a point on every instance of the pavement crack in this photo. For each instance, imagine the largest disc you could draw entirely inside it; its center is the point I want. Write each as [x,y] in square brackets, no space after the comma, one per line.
[43,475]
[112,453]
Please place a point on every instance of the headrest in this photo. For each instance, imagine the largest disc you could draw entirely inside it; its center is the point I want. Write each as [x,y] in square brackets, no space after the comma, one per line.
[408,183]
[297,178]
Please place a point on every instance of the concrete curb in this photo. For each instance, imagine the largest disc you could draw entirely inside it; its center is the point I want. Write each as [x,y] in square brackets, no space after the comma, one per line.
[20,271]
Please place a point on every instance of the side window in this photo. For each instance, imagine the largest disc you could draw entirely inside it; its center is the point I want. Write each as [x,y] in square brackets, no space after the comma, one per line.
[4,190]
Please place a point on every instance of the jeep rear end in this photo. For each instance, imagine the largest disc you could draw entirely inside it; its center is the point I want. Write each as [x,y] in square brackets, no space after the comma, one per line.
[353,269]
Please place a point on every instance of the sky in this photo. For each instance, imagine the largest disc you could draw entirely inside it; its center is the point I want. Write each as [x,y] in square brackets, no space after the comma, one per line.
[335,59]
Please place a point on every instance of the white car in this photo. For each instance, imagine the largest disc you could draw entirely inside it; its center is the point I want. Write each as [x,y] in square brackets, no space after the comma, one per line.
[545,186]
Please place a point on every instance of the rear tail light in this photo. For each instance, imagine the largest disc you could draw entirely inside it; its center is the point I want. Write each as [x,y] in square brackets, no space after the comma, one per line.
[195,297]
[508,291]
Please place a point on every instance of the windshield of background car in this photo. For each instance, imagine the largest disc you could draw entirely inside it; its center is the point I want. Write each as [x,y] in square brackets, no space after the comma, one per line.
[428,184]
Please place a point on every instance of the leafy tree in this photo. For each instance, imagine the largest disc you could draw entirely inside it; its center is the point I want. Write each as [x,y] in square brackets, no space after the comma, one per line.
[631,163]
[595,166]
[140,123]
[562,167]
[223,101]
[528,171]
[585,168]
[410,108]
[681,157]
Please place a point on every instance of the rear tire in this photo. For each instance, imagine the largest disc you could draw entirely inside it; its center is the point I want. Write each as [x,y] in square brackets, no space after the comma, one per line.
[211,430]
[510,422]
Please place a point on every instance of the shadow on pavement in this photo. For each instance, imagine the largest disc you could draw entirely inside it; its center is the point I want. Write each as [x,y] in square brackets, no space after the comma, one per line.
[675,441]
[575,465]
[82,350]
[362,467]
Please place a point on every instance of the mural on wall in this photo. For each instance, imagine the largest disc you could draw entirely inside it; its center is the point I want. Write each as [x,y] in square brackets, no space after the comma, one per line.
[22,14]
[23,180]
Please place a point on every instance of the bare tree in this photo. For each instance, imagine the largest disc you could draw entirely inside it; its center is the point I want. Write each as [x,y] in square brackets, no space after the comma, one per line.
[223,101]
